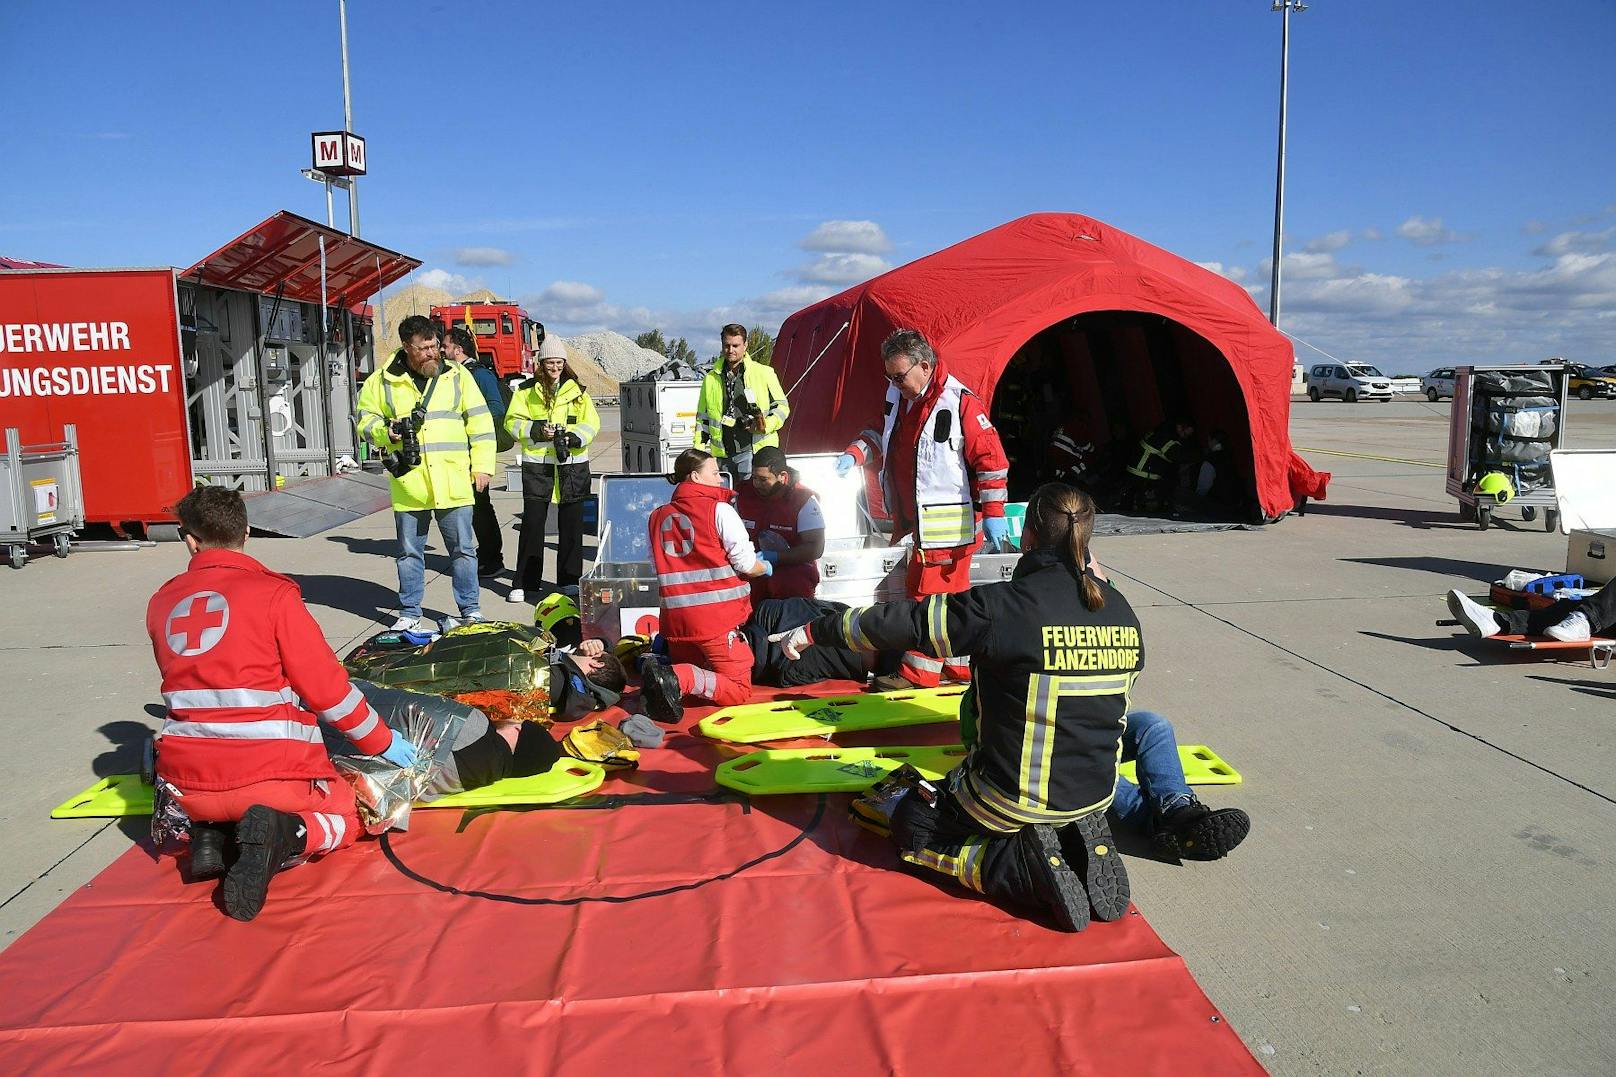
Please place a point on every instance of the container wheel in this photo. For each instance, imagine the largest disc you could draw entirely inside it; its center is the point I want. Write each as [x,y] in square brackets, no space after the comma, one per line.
[61,544]
[1529,513]
[19,556]
[1484,516]
[1351,396]
[1551,519]
[1431,395]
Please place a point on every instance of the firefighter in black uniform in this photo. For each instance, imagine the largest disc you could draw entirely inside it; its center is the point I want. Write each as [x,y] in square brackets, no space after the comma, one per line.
[1154,477]
[1054,655]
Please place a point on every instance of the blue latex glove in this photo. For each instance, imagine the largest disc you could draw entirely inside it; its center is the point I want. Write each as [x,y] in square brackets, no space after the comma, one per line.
[771,556]
[401,753]
[768,566]
[997,530]
[844,464]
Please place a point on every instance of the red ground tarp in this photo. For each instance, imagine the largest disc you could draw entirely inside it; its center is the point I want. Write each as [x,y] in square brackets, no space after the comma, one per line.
[980,300]
[518,942]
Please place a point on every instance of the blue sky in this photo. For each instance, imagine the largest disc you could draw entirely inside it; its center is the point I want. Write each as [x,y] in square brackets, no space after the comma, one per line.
[626,165]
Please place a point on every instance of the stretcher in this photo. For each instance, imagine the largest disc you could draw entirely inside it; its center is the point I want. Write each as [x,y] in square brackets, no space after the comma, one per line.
[776,771]
[124,795]
[1600,649]
[754,723]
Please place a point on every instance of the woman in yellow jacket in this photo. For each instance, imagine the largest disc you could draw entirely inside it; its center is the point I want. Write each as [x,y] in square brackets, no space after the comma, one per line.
[553,420]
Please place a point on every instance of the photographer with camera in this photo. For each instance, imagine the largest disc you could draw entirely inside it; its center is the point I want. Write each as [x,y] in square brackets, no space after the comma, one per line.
[431,422]
[741,407]
[553,419]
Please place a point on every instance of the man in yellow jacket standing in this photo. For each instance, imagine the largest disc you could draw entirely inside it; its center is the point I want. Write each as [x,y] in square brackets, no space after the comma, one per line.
[741,407]
[431,422]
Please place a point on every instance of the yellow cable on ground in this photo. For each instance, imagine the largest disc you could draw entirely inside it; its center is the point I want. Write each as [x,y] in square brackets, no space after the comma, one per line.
[1371,456]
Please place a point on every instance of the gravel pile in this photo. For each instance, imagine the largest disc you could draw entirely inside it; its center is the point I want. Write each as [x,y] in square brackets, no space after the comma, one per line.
[618,356]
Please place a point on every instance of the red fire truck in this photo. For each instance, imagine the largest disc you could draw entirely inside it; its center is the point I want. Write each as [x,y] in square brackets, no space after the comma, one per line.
[506,337]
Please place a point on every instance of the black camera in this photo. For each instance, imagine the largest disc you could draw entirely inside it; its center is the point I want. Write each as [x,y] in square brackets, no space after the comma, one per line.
[560,440]
[408,432]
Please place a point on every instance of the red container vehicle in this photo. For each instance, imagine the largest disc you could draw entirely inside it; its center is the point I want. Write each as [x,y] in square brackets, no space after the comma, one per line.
[506,337]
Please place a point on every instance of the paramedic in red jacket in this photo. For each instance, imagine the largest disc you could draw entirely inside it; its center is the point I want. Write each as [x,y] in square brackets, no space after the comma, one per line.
[703,561]
[942,469]
[786,525]
[247,679]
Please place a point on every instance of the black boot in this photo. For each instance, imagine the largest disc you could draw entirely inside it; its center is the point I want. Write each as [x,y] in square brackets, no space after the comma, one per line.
[1029,869]
[1092,852]
[265,840]
[208,844]
[660,686]
[1194,831]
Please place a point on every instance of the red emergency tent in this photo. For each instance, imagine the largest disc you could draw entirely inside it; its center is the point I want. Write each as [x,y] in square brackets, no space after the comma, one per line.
[1167,336]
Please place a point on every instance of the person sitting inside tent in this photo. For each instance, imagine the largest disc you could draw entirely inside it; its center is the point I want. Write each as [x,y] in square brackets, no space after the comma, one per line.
[1054,655]
[1567,620]
[786,525]
[1154,478]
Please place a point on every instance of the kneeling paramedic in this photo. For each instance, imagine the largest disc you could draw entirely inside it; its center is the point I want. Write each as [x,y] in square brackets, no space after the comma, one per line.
[1054,655]
[703,561]
[247,678]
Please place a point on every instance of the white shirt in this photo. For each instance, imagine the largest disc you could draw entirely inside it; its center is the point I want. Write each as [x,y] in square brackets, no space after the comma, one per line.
[812,517]
[732,533]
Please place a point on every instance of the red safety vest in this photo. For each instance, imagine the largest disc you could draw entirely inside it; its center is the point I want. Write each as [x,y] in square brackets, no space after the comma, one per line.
[779,516]
[247,678]
[702,596]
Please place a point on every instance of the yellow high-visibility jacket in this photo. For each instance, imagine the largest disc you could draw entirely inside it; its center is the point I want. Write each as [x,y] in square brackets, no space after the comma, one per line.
[764,385]
[571,410]
[457,438]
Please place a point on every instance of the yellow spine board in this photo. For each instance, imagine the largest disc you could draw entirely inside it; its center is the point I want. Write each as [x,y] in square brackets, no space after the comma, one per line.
[831,770]
[753,723]
[1202,766]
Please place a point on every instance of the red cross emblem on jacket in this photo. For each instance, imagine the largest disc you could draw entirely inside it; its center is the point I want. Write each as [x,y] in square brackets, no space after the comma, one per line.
[197,622]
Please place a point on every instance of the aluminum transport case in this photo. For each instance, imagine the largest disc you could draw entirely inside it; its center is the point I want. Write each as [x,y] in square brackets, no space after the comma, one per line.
[619,593]
[658,421]
[40,496]
[1585,481]
[1509,420]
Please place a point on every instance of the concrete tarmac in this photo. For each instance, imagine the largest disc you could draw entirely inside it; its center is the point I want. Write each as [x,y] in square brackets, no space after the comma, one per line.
[1430,878]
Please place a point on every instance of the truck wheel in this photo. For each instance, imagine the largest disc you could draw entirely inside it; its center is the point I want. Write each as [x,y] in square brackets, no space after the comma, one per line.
[1551,519]
[1351,396]
[1484,516]
[1313,393]
[1585,393]
[1431,395]
[1529,513]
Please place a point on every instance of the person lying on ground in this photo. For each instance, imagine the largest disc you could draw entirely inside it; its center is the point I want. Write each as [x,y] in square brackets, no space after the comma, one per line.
[1053,657]
[771,665]
[1162,803]
[1568,620]
[248,679]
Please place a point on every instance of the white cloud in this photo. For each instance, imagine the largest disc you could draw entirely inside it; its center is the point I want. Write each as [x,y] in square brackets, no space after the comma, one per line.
[847,237]
[1372,233]
[1577,243]
[572,293]
[841,269]
[1429,231]
[1330,241]
[484,256]
[450,282]
[1234,273]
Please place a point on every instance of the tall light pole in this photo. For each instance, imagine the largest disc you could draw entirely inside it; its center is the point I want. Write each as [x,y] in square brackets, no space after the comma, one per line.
[347,121]
[1285,6]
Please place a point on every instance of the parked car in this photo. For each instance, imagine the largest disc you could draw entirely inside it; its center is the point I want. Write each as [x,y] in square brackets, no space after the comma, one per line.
[1438,384]
[1351,382]
[1586,382]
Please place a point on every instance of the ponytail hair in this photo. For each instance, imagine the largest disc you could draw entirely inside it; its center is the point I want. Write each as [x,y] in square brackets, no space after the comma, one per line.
[687,463]
[1063,518]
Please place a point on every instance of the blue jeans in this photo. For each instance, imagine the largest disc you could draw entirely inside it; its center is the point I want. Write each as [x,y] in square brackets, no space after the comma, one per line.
[455,527]
[1149,740]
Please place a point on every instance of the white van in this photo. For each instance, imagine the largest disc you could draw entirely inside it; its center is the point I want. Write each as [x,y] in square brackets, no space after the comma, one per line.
[1351,382]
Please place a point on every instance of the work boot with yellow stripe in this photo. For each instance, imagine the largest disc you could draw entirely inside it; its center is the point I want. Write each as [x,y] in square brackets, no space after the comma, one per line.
[1093,854]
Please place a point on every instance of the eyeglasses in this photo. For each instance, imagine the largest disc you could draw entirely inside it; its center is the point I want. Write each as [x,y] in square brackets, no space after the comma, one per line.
[897,379]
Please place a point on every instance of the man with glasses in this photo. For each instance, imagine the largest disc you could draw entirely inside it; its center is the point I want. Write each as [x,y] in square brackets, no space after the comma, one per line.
[942,470]
[431,420]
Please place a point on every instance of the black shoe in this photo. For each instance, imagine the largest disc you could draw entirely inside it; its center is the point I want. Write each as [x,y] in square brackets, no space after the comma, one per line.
[1091,851]
[490,573]
[1197,832]
[265,840]
[208,844]
[660,687]
[1051,884]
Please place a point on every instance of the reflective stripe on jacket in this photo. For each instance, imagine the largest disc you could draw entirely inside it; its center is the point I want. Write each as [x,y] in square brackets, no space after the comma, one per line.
[457,438]
[247,676]
[703,597]
[764,384]
[572,409]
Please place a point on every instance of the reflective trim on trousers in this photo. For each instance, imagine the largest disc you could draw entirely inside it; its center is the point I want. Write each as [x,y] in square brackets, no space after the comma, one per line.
[332,829]
[964,864]
[206,699]
[706,598]
[923,663]
[267,729]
